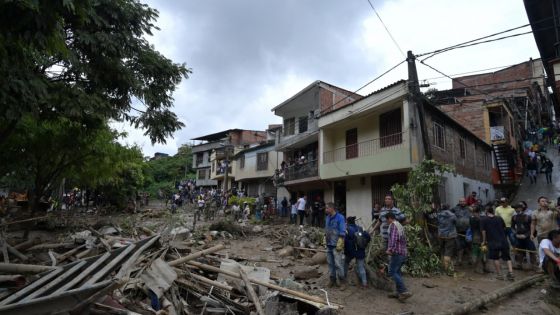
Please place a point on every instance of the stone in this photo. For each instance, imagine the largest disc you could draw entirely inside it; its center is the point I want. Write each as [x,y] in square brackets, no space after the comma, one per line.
[319,258]
[257,229]
[307,273]
[286,251]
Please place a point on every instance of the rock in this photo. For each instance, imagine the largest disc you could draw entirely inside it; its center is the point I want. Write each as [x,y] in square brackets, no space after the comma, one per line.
[291,284]
[201,243]
[108,230]
[257,229]
[307,273]
[286,251]
[214,233]
[319,258]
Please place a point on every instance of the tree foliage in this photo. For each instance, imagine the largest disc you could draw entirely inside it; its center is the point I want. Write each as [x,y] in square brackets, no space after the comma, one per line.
[415,198]
[162,173]
[86,61]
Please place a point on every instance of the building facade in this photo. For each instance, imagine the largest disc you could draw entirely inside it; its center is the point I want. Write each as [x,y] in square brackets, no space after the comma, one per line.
[370,144]
[299,139]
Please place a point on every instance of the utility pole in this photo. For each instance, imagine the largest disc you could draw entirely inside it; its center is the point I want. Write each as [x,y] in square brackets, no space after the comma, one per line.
[417,102]
[226,177]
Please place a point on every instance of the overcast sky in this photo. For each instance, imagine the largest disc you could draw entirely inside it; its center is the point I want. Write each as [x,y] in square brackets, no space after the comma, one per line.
[248,56]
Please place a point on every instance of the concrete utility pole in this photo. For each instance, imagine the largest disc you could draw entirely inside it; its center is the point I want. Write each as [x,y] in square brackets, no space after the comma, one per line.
[226,177]
[416,102]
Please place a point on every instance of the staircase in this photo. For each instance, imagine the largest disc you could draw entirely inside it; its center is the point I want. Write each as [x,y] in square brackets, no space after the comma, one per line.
[505,163]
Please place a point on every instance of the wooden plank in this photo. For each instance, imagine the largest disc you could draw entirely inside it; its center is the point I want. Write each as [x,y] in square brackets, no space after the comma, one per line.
[251,292]
[84,274]
[57,281]
[196,255]
[16,252]
[100,274]
[23,268]
[32,286]
[130,261]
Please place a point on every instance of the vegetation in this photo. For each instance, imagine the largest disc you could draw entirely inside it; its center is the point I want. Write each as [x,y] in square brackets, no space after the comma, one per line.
[415,199]
[67,69]
[163,173]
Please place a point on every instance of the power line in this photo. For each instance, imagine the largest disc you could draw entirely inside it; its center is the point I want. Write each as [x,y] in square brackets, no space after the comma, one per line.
[385,26]
[363,86]
[474,44]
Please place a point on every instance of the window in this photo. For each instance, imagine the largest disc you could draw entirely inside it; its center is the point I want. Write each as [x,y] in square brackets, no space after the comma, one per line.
[352,143]
[208,156]
[486,161]
[242,162]
[390,128]
[289,126]
[442,191]
[262,161]
[213,166]
[462,148]
[199,157]
[439,136]
[202,174]
[302,124]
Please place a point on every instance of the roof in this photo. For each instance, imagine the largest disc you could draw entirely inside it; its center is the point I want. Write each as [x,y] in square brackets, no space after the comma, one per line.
[255,148]
[370,94]
[309,87]
[216,136]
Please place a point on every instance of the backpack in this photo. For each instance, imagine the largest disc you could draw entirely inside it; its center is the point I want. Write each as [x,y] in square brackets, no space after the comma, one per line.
[361,240]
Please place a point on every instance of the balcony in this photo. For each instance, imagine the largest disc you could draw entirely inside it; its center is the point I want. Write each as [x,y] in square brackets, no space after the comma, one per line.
[301,171]
[299,139]
[389,153]
[365,148]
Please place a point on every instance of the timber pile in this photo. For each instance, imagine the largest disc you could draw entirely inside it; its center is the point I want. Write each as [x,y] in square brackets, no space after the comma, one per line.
[100,271]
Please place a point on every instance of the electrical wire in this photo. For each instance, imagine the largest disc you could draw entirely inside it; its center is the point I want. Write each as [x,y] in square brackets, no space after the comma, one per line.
[363,86]
[386,28]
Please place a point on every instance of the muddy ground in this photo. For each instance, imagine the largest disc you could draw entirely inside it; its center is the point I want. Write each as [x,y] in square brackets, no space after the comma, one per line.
[431,295]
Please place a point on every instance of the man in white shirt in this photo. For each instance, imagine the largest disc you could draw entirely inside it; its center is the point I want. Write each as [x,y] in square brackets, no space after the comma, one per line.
[549,252]
[302,201]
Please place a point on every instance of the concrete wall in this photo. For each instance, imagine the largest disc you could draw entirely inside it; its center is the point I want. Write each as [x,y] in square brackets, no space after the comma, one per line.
[250,168]
[455,186]
[358,199]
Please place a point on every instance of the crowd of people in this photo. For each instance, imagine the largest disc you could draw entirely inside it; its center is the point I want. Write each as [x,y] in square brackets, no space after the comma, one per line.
[468,233]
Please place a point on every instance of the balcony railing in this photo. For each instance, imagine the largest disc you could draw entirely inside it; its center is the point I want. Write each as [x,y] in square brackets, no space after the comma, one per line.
[498,133]
[300,171]
[365,148]
[221,170]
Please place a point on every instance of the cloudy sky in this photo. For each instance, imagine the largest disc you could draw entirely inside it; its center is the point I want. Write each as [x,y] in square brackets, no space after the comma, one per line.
[248,56]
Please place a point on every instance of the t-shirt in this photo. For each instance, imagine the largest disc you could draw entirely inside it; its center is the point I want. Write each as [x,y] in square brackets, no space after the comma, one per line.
[521,224]
[495,232]
[463,215]
[546,243]
[506,213]
[545,221]
[294,209]
[301,204]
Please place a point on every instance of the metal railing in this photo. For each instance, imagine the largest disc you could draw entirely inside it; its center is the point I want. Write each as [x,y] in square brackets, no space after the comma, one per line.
[300,171]
[365,148]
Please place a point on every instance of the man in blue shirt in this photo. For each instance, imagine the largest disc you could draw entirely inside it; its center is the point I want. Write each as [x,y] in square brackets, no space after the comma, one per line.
[335,231]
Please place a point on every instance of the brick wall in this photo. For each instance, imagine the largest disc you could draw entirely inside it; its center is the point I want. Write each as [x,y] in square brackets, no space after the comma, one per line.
[487,81]
[472,164]
[246,137]
[334,98]
[469,115]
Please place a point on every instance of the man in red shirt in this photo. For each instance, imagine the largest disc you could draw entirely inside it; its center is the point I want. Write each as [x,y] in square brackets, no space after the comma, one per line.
[471,200]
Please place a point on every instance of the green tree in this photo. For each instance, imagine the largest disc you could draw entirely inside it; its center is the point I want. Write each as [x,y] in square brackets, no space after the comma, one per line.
[162,173]
[87,61]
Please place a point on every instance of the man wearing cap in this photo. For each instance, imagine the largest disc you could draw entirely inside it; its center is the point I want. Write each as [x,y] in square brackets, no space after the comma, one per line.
[355,244]
[388,208]
[335,231]
[506,212]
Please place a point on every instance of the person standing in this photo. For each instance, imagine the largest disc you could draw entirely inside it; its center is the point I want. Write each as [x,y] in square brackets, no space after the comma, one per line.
[293,212]
[284,207]
[301,203]
[396,249]
[532,167]
[543,220]
[388,208]
[447,233]
[547,166]
[521,227]
[506,212]
[476,253]
[471,199]
[317,211]
[463,213]
[493,235]
[335,232]
[355,244]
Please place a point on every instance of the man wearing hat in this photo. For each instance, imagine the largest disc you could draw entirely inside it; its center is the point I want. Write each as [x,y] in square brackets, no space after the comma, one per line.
[355,244]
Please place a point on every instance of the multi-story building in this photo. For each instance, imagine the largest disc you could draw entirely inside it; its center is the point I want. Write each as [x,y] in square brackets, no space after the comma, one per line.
[370,144]
[500,108]
[211,157]
[299,139]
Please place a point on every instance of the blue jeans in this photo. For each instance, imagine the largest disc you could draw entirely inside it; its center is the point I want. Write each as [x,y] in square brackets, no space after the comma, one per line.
[395,266]
[511,237]
[335,260]
[360,269]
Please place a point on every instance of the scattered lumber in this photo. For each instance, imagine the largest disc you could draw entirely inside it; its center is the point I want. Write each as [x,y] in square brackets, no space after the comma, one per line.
[23,268]
[251,292]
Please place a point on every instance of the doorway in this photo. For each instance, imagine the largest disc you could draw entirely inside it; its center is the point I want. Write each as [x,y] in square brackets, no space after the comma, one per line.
[340,196]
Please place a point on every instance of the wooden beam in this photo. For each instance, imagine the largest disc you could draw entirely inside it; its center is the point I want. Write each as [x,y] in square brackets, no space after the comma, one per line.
[196,255]
[23,268]
[251,291]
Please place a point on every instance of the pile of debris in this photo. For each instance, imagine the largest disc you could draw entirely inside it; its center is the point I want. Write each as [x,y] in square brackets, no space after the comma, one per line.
[99,271]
